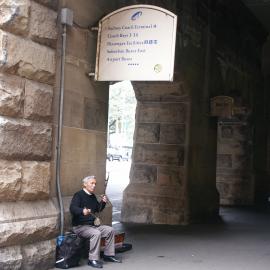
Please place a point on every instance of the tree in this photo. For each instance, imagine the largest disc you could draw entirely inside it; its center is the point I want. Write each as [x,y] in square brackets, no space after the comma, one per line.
[122,105]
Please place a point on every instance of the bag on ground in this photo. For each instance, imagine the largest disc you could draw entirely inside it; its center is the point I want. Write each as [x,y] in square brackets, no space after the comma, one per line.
[68,251]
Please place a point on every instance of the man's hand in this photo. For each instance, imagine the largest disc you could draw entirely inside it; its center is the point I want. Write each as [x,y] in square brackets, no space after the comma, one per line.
[86,211]
[104,198]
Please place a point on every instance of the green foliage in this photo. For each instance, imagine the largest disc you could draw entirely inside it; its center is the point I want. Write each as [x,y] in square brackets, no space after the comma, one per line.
[121,122]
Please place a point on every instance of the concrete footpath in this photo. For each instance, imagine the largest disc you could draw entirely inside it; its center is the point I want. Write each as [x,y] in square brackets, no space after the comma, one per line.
[241,241]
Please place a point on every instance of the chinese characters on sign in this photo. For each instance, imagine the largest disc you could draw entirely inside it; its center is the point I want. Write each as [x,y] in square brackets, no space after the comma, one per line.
[136,43]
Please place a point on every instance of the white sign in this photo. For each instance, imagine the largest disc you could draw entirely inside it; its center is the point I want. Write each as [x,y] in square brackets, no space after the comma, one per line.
[136,43]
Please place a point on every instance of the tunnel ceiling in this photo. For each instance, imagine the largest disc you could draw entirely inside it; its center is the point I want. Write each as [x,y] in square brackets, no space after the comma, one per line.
[261,9]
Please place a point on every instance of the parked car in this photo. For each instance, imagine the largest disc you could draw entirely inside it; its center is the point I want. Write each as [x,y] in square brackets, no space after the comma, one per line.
[125,157]
[117,154]
[113,154]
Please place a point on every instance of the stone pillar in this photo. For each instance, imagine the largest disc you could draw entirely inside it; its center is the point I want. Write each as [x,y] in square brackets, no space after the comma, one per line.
[262,158]
[235,181]
[261,129]
[28,216]
[156,193]
[266,73]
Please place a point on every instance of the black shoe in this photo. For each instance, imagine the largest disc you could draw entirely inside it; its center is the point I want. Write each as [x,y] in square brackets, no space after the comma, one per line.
[95,263]
[111,259]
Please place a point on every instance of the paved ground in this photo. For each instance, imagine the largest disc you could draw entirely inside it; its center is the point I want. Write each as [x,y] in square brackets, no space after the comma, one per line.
[118,180]
[241,241]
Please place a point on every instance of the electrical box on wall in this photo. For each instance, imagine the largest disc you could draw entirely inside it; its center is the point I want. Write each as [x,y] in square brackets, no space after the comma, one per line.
[67,16]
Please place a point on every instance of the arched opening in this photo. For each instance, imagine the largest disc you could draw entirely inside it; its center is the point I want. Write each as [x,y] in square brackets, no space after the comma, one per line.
[121,124]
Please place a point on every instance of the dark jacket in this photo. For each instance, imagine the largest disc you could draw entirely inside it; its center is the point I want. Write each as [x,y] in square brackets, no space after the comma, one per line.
[83,200]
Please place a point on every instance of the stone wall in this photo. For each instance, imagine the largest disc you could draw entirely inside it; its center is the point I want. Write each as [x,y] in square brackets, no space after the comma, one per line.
[28,216]
[85,112]
[29,80]
[266,73]
[242,138]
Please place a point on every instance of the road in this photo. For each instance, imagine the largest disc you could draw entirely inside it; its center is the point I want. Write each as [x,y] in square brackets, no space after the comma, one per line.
[118,180]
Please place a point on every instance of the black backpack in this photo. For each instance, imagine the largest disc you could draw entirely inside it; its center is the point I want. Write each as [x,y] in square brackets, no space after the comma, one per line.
[68,251]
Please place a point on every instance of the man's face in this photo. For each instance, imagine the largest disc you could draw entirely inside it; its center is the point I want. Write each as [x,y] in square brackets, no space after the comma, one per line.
[90,185]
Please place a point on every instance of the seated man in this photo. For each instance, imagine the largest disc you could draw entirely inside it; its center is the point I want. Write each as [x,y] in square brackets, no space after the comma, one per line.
[83,206]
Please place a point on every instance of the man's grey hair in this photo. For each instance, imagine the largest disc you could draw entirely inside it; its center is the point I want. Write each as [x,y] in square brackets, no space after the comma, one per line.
[87,178]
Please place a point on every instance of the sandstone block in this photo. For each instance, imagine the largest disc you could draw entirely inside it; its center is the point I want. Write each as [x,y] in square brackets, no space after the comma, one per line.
[74,110]
[171,176]
[49,3]
[153,194]
[26,58]
[226,132]
[159,154]
[88,44]
[10,180]
[237,192]
[11,95]
[43,25]
[168,216]
[147,204]
[38,101]
[140,214]
[243,162]
[23,139]
[10,258]
[148,133]
[158,113]
[242,133]
[223,188]
[172,134]
[162,91]
[224,160]
[40,254]
[31,222]
[235,133]
[24,180]
[12,211]
[28,231]
[88,12]
[35,180]
[95,114]
[15,16]
[144,174]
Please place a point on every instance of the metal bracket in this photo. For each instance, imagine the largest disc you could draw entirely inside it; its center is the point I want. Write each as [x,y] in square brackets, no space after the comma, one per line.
[93,74]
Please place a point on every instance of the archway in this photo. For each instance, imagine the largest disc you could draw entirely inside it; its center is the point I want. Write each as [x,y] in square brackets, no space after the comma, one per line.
[121,123]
